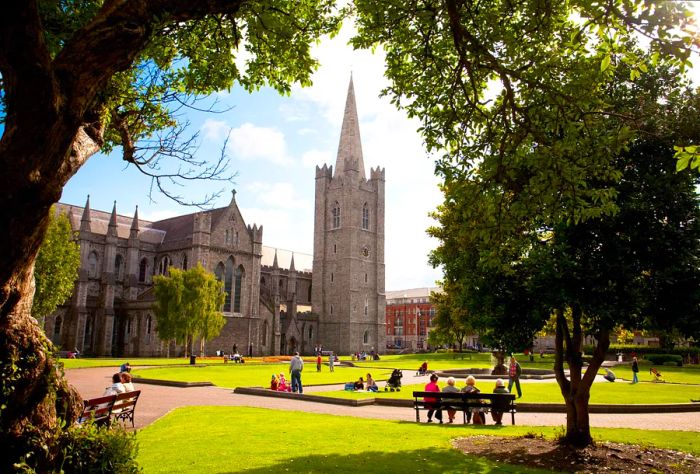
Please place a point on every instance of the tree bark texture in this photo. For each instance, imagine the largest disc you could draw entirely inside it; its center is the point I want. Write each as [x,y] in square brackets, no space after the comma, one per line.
[577,388]
[52,126]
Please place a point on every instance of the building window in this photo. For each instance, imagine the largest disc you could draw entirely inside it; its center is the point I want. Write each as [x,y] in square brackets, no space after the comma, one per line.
[226,236]
[331,309]
[119,267]
[365,217]
[164,265]
[336,216]
[365,278]
[335,248]
[366,306]
[228,284]
[57,330]
[92,265]
[311,333]
[238,283]
[184,261]
[332,278]
[365,337]
[143,267]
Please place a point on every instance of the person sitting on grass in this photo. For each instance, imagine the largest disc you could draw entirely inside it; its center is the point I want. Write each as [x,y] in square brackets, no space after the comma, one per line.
[125,367]
[499,388]
[450,388]
[283,387]
[360,384]
[273,383]
[609,375]
[371,385]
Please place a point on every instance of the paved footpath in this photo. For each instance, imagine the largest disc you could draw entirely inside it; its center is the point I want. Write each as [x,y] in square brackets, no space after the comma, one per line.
[157,400]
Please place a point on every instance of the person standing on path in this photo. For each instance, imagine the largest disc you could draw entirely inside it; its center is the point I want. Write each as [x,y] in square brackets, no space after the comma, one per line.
[331,361]
[514,372]
[296,365]
[635,370]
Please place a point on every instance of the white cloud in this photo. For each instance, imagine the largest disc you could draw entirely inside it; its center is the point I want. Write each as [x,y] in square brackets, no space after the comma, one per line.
[283,229]
[215,129]
[249,142]
[277,195]
[313,158]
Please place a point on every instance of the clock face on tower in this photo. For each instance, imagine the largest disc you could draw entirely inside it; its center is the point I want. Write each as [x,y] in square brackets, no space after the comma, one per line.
[365,251]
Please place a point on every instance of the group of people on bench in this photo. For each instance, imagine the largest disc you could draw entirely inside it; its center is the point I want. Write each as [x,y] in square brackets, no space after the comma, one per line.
[121,381]
[476,414]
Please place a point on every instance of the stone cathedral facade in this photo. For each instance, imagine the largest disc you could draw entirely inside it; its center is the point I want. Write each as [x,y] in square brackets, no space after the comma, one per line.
[277,301]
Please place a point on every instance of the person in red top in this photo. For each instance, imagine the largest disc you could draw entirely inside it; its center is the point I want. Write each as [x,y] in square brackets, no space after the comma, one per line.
[431,402]
[318,362]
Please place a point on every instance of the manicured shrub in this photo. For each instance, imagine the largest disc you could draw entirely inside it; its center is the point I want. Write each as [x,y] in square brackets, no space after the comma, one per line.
[91,449]
[664,359]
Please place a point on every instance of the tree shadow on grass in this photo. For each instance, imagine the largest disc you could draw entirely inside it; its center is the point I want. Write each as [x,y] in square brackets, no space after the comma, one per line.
[431,460]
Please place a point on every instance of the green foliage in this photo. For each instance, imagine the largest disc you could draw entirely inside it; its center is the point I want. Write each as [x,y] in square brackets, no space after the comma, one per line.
[452,323]
[662,359]
[188,304]
[56,267]
[91,449]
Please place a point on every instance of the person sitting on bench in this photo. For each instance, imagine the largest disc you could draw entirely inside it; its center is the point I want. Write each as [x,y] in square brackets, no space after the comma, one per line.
[499,388]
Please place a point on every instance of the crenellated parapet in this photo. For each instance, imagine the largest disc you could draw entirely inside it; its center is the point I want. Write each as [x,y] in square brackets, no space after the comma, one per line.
[325,171]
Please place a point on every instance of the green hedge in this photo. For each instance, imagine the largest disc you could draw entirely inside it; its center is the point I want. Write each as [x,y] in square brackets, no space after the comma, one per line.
[641,351]
[664,359]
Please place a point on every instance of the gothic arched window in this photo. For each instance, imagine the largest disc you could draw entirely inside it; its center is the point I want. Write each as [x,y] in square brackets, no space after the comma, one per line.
[164,265]
[184,261]
[365,217]
[311,333]
[336,216]
[365,337]
[92,265]
[263,341]
[228,284]
[143,267]
[238,284]
[119,267]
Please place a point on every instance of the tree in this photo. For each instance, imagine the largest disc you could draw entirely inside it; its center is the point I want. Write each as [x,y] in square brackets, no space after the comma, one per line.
[56,267]
[451,323]
[639,267]
[90,75]
[521,97]
[188,306]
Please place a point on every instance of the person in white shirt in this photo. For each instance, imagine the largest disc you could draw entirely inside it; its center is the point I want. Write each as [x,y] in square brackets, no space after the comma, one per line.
[117,386]
[126,381]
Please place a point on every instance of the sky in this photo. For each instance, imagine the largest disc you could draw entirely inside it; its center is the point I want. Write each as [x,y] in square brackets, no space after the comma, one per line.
[274,146]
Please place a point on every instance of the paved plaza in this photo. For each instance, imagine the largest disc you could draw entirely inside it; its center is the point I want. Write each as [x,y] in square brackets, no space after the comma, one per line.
[157,400]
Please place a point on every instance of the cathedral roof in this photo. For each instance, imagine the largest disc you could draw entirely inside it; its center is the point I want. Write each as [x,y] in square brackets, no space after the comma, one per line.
[350,145]
[99,223]
[302,262]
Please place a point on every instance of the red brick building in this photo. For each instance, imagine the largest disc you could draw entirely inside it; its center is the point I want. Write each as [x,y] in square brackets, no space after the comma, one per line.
[409,314]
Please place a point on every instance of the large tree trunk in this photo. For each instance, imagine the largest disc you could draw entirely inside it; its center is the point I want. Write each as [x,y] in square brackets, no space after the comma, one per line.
[577,388]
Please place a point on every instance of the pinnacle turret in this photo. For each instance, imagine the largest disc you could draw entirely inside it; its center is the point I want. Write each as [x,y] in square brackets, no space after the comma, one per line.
[112,228]
[135,224]
[85,219]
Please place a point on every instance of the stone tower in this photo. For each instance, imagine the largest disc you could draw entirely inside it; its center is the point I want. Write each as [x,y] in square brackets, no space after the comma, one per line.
[348,263]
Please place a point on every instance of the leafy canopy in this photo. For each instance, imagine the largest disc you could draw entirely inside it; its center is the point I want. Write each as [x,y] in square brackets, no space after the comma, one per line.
[56,267]
[188,305]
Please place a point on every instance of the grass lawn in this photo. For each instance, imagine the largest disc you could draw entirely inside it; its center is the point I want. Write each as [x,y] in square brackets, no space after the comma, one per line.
[548,392]
[227,439]
[450,360]
[248,375]
[134,362]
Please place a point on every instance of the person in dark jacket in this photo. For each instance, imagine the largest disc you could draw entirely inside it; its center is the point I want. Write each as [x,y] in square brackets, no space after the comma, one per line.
[514,372]
[635,370]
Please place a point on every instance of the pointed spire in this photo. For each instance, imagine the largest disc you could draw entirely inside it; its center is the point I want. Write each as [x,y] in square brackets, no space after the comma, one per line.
[135,224]
[274,262]
[85,219]
[350,145]
[291,265]
[112,228]
[233,196]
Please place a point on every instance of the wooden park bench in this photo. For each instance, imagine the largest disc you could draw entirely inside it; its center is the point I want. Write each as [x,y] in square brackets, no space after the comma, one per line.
[464,402]
[105,410]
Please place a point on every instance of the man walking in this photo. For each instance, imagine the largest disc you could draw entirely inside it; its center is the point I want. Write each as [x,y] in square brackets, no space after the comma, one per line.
[296,365]
[331,361]
[514,372]
[635,370]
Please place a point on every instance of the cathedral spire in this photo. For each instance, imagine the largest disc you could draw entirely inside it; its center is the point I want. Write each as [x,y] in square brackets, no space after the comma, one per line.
[85,219]
[135,224]
[112,228]
[274,262]
[291,265]
[350,145]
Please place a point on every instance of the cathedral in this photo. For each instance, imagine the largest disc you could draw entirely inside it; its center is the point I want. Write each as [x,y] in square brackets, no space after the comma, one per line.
[277,301]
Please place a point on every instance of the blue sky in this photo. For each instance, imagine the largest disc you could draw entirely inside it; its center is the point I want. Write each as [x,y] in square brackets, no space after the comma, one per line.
[275,144]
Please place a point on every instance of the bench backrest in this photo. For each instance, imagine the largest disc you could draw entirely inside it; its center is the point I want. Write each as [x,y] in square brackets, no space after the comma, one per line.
[99,409]
[497,399]
[126,402]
